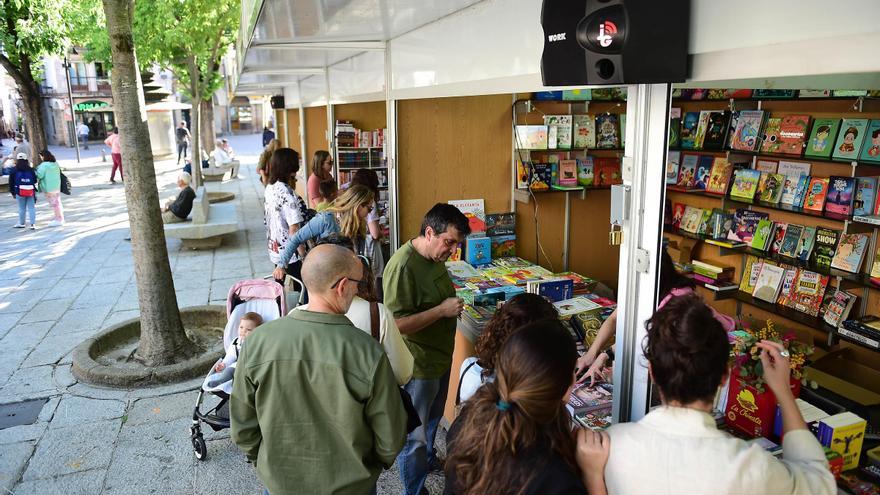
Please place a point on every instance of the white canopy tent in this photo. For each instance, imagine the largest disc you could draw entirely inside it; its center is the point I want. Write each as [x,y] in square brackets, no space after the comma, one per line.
[343,51]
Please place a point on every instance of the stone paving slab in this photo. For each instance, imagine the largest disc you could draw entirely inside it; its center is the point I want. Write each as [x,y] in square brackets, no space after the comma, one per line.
[13,458]
[54,347]
[21,433]
[161,409]
[79,320]
[159,452]
[28,383]
[80,483]
[48,310]
[68,450]
[74,410]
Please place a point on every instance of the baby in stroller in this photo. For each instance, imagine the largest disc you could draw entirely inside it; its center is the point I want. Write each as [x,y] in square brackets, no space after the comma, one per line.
[224,370]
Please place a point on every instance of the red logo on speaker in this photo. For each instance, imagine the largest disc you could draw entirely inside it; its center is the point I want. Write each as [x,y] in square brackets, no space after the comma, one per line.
[607,29]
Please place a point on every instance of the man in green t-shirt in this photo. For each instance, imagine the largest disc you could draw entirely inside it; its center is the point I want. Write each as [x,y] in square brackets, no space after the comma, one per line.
[419,292]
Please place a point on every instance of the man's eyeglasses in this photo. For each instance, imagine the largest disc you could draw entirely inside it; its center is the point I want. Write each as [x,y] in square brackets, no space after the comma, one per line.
[344,278]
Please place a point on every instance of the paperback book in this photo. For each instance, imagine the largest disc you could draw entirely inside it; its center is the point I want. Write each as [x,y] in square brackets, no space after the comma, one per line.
[677,215]
[745,183]
[704,168]
[850,252]
[770,189]
[541,177]
[673,159]
[478,250]
[750,274]
[675,127]
[474,210]
[806,243]
[584,131]
[779,229]
[500,224]
[719,177]
[607,131]
[770,138]
[826,245]
[814,199]
[689,124]
[690,222]
[687,171]
[792,171]
[558,131]
[840,195]
[866,195]
[748,130]
[702,127]
[800,192]
[850,139]
[763,235]
[503,246]
[767,165]
[731,128]
[531,137]
[791,240]
[607,171]
[837,306]
[745,223]
[768,283]
[871,148]
[807,292]
[792,134]
[568,173]
[787,282]
[774,93]
[585,168]
[716,130]
[822,136]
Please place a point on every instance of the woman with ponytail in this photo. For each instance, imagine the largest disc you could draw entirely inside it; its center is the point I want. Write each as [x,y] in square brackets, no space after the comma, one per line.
[514,435]
[677,448]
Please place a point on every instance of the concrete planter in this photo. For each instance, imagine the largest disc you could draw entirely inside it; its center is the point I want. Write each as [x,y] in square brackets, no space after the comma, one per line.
[220,197]
[101,360]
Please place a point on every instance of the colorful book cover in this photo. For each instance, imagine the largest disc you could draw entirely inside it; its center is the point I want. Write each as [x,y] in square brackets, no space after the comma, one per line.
[687,171]
[779,229]
[705,222]
[727,94]
[748,130]
[478,250]
[716,130]
[607,171]
[690,222]
[774,93]
[689,130]
[675,127]
[745,225]
[792,134]
[503,246]
[722,223]
[607,131]
[585,168]
[790,241]
[745,183]
[807,292]
[763,235]
[875,267]
[770,138]
[814,93]
[500,224]
[731,128]
[704,169]
[541,177]
[766,165]
[787,283]
[815,196]
[719,177]
[850,252]
[768,283]
[609,94]
[533,137]
[826,245]
[849,93]
[474,210]
[677,215]
[673,158]
[568,173]
[576,95]
[702,127]
[806,243]
[839,199]
[584,131]
[523,175]
[846,434]
[801,191]
[750,274]
[771,188]
[866,195]
[822,136]
[850,139]
[837,306]
[871,149]
[792,171]
[560,126]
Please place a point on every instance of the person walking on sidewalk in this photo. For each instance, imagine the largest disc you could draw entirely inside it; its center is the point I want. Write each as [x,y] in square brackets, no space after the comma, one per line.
[183,138]
[116,153]
[23,186]
[49,177]
[83,131]
[315,404]
[420,294]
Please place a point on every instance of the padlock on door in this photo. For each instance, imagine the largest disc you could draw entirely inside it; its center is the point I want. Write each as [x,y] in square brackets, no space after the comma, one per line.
[615,237]
[620,203]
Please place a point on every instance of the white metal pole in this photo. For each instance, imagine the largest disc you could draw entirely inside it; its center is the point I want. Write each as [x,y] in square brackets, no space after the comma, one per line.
[643,169]
[391,153]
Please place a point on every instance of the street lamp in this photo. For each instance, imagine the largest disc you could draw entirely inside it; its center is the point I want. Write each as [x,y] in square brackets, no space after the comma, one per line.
[67,66]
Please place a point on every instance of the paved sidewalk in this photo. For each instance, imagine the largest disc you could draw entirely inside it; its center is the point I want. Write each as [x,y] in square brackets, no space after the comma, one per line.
[58,286]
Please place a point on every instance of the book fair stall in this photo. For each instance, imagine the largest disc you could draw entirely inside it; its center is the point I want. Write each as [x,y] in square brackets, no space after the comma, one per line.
[757,172]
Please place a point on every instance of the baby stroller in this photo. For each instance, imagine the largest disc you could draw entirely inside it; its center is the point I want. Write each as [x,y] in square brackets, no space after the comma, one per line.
[270,300]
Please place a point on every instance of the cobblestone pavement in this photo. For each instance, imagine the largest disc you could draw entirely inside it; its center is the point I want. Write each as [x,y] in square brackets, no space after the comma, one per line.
[60,285]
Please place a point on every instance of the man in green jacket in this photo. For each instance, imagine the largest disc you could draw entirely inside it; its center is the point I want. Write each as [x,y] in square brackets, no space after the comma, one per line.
[314,401]
[419,292]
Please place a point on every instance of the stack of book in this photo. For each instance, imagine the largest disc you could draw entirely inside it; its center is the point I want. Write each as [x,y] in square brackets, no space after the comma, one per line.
[345,134]
[555,289]
[865,330]
[712,277]
[590,407]
[844,433]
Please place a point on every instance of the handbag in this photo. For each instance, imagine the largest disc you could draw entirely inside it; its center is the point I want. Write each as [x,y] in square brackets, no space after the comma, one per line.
[412,416]
[65,184]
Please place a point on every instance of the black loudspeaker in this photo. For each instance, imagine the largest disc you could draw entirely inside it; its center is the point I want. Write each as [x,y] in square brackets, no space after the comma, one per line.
[589,42]
[277,102]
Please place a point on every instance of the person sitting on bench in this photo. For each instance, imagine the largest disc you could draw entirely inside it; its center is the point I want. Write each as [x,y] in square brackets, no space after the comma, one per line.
[175,211]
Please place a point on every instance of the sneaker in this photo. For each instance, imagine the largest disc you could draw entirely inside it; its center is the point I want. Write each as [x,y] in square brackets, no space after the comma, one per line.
[18,226]
[113,181]
[33,227]
[55,223]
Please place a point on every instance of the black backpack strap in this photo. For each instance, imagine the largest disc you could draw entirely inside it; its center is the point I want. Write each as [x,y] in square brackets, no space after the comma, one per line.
[460,380]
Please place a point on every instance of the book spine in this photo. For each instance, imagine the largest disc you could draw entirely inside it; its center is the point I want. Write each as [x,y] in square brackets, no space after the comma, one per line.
[873,344]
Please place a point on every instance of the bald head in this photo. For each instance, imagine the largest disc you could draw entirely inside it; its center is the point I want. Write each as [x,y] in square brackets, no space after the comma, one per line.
[326,264]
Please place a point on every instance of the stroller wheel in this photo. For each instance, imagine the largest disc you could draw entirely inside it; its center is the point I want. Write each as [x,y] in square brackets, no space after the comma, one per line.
[199,447]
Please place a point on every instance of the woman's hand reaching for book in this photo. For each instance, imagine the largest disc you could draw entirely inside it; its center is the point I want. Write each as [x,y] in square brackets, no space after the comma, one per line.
[593,449]
[594,372]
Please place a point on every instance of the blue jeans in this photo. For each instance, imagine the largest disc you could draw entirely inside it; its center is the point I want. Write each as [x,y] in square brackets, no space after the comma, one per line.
[429,399]
[26,203]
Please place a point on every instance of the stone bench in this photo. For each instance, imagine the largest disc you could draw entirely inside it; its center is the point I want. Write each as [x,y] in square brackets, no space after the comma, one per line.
[215,173]
[207,225]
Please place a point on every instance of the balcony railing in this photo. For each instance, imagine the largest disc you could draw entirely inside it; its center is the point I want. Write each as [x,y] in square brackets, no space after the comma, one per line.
[89,84]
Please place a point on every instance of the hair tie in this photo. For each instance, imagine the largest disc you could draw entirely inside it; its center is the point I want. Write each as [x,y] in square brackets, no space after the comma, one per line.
[502,405]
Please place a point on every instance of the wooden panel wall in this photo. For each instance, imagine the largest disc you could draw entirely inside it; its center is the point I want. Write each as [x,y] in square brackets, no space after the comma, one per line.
[452,148]
[316,133]
[365,116]
[817,109]
[280,129]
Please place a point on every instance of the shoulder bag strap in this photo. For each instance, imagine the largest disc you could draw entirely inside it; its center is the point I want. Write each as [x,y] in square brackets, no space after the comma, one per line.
[374,320]
[460,380]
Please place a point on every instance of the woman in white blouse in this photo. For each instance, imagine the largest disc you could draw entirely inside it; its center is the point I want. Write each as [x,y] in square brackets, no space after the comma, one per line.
[677,448]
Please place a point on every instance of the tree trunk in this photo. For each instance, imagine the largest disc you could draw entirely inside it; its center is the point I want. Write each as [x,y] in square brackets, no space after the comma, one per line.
[207,112]
[36,130]
[195,117]
[163,340]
